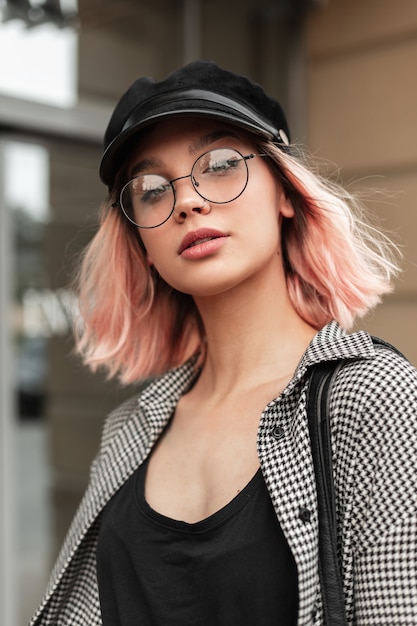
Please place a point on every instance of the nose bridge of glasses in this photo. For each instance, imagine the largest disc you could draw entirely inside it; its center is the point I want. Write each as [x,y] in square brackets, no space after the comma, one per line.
[190,175]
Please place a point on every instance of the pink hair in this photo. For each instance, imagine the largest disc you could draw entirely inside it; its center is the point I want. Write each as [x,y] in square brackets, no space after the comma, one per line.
[135,325]
[337,265]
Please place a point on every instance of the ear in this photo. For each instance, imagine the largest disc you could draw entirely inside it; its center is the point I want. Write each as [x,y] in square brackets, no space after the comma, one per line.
[286,208]
[149,260]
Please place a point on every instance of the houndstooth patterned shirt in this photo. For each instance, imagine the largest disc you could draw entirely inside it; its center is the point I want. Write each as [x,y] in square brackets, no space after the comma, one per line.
[374,441]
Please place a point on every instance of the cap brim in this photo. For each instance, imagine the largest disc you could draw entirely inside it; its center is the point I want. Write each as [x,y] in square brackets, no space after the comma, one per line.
[185,103]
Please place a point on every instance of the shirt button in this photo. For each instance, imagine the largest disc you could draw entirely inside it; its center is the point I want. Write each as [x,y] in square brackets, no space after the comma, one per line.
[277,432]
[304,514]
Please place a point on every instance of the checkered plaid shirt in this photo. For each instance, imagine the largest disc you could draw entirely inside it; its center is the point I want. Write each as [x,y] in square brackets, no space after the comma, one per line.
[374,441]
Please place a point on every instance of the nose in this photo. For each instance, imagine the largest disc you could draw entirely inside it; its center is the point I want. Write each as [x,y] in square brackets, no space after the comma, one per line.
[187,200]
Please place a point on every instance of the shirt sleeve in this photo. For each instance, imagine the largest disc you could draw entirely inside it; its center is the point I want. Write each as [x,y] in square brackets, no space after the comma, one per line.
[385,496]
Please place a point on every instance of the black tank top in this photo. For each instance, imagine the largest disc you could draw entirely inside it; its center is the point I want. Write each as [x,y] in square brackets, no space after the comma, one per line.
[233,568]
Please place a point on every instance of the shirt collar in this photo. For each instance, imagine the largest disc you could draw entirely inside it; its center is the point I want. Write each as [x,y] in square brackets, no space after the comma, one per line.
[332,343]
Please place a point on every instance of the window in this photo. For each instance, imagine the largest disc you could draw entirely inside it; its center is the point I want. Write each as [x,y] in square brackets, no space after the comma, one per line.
[38,59]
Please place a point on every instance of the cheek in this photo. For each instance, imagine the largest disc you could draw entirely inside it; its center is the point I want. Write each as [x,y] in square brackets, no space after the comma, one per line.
[144,248]
[273,192]
[148,243]
[271,209]
[261,228]
[272,206]
[157,247]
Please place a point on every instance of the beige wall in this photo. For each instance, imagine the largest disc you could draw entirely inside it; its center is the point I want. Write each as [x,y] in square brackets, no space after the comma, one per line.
[120,42]
[362,115]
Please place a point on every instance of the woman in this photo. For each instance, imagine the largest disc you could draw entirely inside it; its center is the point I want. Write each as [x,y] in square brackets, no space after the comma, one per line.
[225,269]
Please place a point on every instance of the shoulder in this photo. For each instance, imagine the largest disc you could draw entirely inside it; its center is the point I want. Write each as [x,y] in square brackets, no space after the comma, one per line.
[382,382]
[155,401]
[374,376]
[121,414]
[374,416]
[373,372]
[373,406]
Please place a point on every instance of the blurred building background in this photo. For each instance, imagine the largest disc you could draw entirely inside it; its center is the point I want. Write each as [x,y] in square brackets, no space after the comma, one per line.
[343,70]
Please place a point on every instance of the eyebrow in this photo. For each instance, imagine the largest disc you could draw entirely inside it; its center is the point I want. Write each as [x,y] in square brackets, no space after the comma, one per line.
[209,138]
[198,145]
[145,164]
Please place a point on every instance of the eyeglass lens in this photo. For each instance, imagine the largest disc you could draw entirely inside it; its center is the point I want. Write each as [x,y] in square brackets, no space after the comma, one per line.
[219,176]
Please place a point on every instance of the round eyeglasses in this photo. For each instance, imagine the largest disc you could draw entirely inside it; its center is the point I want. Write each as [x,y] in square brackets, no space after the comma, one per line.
[218,176]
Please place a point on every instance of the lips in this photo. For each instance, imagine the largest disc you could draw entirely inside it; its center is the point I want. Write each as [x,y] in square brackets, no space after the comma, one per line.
[196,237]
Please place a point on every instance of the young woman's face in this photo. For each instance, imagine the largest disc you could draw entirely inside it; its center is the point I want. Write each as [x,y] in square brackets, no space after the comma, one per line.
[206,248]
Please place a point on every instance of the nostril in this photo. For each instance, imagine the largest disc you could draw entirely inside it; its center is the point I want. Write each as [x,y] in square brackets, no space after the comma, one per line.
[186,206]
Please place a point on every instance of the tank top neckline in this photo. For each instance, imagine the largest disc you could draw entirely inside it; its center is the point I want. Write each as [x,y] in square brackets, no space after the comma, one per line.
[219,517]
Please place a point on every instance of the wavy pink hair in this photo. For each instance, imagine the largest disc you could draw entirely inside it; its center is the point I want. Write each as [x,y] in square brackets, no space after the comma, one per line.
[135,325]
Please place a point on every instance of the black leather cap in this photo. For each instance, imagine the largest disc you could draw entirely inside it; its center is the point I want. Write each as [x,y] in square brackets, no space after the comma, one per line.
[199,88]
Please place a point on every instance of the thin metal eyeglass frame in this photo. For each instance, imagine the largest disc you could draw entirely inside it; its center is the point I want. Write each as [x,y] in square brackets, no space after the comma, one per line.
[194,183]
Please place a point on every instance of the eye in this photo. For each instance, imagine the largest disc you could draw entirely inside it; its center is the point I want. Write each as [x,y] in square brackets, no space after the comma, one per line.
[218,162]
[222,166]
[150,188]
[219,165]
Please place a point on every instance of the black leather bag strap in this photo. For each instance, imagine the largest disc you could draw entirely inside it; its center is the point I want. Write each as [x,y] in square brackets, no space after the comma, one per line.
[318,409]
[334,613]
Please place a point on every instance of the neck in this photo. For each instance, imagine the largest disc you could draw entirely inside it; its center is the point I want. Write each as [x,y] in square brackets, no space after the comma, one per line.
[254,336]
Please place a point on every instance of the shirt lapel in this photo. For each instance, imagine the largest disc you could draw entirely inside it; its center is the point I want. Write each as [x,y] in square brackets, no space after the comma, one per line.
[139,423]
